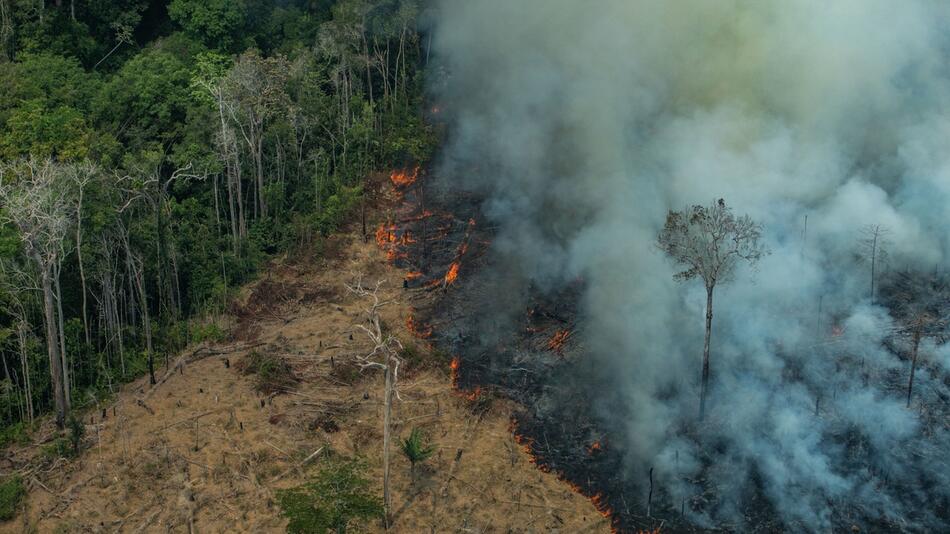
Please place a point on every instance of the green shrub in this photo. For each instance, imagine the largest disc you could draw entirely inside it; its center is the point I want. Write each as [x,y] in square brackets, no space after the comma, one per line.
[17,433]
[337,499]
[11,493]
[415,449]
[76,430]
[207,332]
[58,448]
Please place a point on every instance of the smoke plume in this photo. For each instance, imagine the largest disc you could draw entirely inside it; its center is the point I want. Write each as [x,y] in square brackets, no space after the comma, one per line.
[583,123]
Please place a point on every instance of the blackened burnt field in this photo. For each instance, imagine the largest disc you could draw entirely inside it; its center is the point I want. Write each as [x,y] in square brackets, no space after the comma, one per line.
[517,340]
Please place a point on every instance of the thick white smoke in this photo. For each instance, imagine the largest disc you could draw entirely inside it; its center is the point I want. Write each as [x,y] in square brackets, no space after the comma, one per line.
[584,122]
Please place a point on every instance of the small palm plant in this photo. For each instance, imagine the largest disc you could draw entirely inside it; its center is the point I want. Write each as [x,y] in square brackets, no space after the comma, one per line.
[416,450]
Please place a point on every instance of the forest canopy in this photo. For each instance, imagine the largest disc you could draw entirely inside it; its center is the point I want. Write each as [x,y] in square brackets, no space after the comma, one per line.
[154,153]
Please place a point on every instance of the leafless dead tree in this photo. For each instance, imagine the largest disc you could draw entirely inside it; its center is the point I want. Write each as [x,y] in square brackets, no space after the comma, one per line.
[920,304]
[872,248]
[384,356]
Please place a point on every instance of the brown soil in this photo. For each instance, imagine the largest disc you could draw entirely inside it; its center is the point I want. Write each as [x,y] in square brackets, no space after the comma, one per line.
[206,451]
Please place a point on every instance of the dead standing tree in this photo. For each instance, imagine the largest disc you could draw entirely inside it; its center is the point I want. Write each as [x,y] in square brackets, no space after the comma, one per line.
[35,199]
[920,302]
[872,248]
[384,356]
[709,241]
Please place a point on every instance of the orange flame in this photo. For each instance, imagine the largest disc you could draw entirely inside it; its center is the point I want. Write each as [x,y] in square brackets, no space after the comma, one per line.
[387,240]
[474,394]
[423,332]
[404,178]
[597,499]
[594,447]
[412,275]
[557,342]
[453,273]
[454,366]
[385,235]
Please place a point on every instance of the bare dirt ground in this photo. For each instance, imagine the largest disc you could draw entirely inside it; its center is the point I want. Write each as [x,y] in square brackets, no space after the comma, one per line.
[205,451]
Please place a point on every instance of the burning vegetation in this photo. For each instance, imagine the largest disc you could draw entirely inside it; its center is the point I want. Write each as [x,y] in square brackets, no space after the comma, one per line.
[534,361]
[557,341]
[404,179]
[421,331]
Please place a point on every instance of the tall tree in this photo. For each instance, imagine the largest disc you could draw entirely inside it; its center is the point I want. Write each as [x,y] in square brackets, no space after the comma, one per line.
[920,302]
[872,248]
[709,241]
[255,93]
[35,196]
[384,356]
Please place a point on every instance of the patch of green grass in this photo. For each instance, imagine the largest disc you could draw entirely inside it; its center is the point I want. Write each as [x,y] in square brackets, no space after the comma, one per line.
[208,331]
[12,492]
[338,498]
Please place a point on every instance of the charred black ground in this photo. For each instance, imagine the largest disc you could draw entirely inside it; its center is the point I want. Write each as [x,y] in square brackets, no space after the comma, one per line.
[537,358]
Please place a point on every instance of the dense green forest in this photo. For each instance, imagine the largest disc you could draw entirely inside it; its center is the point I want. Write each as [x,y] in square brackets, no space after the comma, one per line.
[153,154]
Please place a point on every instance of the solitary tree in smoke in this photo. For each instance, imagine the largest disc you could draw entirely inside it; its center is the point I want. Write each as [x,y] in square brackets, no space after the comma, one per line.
[709,241]
[872,248]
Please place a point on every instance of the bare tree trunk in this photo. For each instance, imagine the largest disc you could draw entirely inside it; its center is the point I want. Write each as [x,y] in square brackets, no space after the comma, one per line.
[12,380]
[176,280]
[913,363]
[217,208]
[110,314]
[369,72]
[62,336]
[138,278]
[259,168]
[705,379]
[232,164]
[318,186]
[25,365]
[82,271]
[873,264]
[387,437]
[232,208]
[239,189]
[52,345]
[146,323]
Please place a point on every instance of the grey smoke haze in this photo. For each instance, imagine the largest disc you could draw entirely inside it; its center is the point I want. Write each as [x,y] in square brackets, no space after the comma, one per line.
[584,122]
